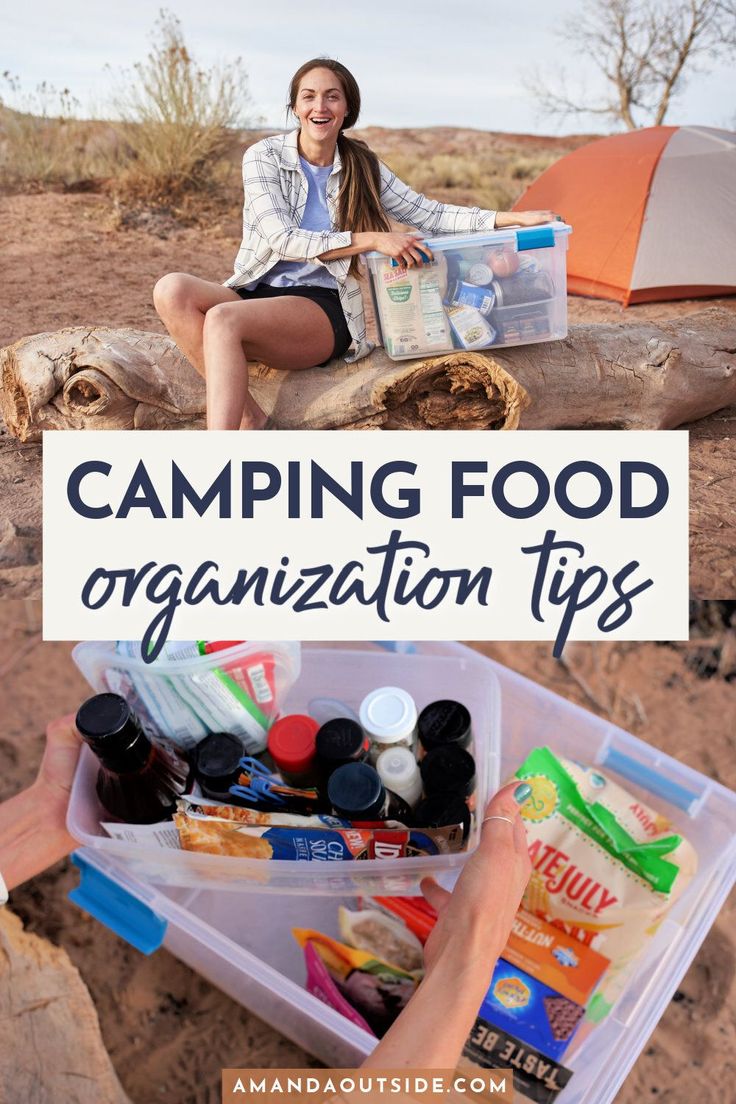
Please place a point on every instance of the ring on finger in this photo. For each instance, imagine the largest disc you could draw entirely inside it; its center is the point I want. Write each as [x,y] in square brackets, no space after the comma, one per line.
[486,819]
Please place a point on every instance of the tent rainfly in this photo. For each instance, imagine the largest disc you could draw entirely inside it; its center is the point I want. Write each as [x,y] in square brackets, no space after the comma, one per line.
[653,213]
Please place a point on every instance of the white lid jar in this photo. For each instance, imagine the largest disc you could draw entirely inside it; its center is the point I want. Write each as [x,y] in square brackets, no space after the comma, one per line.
[399,771]
[388,715]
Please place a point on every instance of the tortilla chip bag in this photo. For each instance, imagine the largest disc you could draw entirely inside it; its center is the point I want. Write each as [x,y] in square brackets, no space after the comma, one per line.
[606,868]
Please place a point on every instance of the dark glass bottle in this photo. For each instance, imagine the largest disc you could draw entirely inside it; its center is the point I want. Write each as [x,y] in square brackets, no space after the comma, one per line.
[357,793]
[138,781]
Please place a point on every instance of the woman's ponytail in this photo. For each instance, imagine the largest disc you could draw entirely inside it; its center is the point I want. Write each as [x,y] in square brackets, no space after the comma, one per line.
[359,199]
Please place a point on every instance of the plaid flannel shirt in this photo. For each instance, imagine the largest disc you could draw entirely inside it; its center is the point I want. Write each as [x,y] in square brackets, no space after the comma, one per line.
[275,197]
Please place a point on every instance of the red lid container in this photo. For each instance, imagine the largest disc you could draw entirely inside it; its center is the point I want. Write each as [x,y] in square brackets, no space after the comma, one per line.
[291,743]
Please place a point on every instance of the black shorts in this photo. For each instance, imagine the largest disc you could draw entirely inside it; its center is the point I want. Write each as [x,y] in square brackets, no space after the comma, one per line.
[326,298]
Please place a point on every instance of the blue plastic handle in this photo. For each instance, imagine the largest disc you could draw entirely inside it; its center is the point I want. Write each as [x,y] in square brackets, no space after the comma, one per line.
[258,790]
[535,237]
[116,908]
[395,263]
[255,768]
[651,779]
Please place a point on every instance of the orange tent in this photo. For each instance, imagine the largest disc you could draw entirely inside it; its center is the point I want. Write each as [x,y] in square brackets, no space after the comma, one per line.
[653,213]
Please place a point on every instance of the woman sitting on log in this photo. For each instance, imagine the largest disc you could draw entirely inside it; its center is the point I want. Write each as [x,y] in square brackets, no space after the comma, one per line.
[314,200]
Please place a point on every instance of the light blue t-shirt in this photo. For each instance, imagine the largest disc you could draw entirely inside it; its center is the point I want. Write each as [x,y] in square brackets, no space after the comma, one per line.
[316,217]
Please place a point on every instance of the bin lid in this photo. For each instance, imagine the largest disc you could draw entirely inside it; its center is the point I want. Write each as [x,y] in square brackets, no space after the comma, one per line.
[519,237]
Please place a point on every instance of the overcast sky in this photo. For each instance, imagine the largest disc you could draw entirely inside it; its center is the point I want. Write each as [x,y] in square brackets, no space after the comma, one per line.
[459,63]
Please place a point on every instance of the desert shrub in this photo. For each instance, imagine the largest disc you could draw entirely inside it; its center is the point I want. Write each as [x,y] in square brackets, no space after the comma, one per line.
[176,119]
[41,142]
[484,180]
[527,168]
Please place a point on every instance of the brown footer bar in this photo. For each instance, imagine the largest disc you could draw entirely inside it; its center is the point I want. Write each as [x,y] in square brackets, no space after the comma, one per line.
[366,1086]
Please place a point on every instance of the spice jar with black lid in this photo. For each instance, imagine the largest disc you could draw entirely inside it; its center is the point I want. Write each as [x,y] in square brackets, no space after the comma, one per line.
[338,742]
[448,770]
[138,781]
[442,810]
[217,764]
[444,723]
[356,792]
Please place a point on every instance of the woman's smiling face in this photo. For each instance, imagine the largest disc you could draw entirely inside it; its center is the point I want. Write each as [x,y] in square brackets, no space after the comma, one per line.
[321,105]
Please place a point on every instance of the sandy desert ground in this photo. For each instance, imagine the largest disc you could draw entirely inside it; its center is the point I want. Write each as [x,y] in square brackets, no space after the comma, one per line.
[164,1025]
[68,263]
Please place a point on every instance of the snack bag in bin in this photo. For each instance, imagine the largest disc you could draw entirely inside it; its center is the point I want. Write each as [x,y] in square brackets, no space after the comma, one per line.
[606,868]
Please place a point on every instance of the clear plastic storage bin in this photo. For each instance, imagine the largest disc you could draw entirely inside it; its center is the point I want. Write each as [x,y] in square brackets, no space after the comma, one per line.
[338,672]
[248,950]
[482,290]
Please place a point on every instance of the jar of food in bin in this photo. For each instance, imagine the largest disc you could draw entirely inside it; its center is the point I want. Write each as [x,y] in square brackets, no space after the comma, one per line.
[356,792]
[448,770]
[443,724]
[293,747]
[217,764]
[443,810]
[338,742]
[399,771]
[389,718]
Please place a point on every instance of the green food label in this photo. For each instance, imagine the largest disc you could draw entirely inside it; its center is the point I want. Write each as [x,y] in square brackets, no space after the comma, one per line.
[554,791]
[399,294]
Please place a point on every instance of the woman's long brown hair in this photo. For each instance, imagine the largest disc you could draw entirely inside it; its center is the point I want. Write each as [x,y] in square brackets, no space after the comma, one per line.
[359,200]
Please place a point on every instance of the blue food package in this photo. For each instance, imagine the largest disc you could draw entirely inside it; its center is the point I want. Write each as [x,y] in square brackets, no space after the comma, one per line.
[530,1010]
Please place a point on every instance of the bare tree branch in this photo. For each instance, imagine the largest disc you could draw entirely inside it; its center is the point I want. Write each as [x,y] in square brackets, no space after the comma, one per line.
[644,49]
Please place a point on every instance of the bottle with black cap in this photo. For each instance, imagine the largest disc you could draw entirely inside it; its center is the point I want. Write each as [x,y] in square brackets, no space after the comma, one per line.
[444,723]
[217,764]
[448,770]
[443,810]
[138,781]
[338,742]
[357,793]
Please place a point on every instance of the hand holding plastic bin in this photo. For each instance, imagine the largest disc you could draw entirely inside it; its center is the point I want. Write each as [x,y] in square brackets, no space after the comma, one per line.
[33,832]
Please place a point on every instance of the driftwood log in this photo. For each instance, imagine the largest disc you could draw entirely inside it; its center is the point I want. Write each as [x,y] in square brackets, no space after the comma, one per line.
[614,376]
[51,1049]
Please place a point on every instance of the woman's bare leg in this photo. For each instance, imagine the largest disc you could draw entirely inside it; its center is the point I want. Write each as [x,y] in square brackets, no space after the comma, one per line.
[181,302]
[288,332]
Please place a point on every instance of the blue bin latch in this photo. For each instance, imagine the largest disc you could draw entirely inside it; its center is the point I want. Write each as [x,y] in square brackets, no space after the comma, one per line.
[117,908]
[535,237]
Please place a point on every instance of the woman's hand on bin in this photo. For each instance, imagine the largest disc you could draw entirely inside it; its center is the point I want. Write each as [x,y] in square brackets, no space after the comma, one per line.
[33,832]
[404,246]
[474,920]
[56,772]
[525,218]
